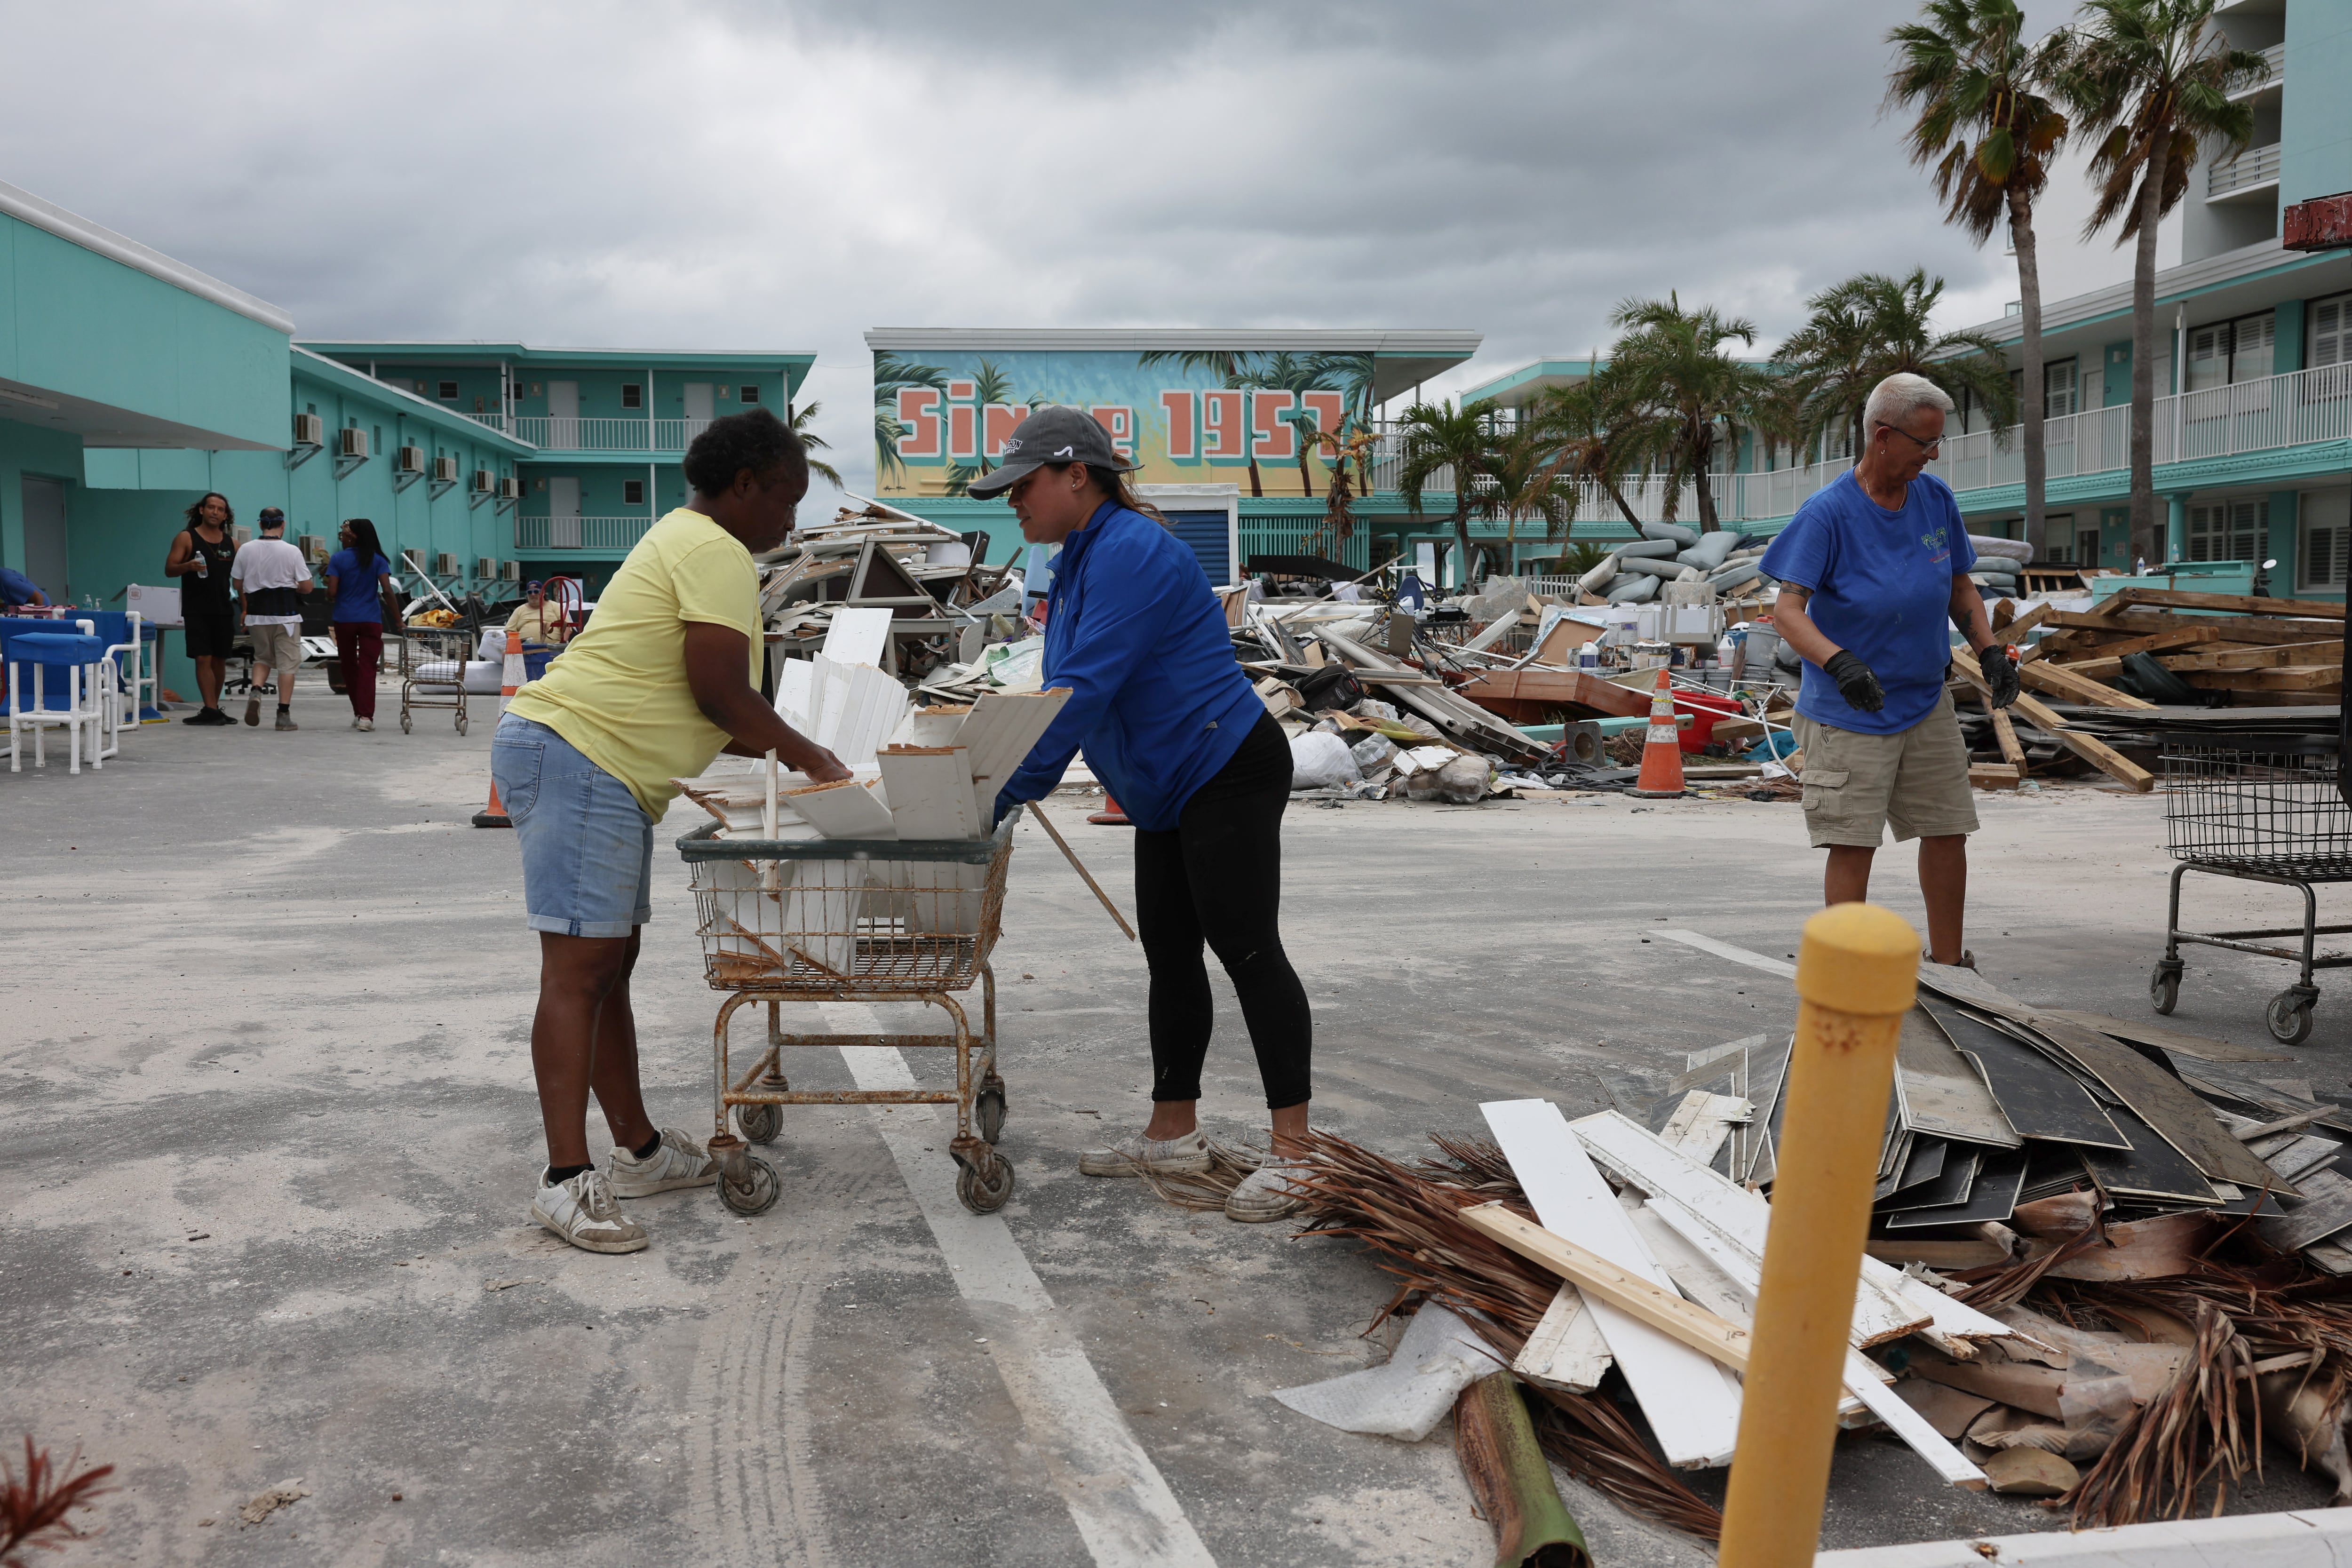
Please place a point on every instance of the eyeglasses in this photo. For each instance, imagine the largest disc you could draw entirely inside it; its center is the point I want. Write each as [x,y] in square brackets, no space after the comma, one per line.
[1923,445]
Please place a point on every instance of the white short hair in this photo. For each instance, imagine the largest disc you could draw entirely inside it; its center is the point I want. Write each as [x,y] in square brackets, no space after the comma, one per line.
[1899,396]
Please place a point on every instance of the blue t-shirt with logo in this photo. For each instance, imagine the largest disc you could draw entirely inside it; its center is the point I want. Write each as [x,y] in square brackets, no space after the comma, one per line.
[356,596]
[1881,589]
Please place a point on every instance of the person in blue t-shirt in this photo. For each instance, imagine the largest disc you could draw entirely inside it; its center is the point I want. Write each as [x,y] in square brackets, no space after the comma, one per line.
[15,589]
[359,581]
[1180,739]
[1873,573]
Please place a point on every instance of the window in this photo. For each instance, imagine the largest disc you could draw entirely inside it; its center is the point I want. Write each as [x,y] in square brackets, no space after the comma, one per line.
[2230,530]
[2058,538]
[2326,517]
[2331,331]
[2059,392]
[2231,352]
[449,391]
[750,396]
[633,492]
[632,396]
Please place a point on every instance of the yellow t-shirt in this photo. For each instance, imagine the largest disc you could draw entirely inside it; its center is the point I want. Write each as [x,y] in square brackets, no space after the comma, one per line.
[544,623]
[619,692]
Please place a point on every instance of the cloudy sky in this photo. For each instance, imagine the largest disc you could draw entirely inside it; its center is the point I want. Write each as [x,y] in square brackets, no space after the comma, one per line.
[779,175]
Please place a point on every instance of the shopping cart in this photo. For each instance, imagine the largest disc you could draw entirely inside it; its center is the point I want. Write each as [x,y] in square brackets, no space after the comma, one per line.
[433,670]
[2260,808]
[851,920]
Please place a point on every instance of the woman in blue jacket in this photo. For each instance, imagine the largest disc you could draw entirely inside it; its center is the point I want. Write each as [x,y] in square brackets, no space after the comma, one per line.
[1170,725]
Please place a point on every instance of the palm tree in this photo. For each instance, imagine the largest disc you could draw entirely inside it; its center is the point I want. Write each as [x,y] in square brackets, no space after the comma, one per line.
[802,422]
[1353,442]
[1592,434]
[1871,327]
[1674,372]
[1989,130]
[1354,373]
[1524,485]
[2151,79]
[890,374]
[1231,367]
[1436,437]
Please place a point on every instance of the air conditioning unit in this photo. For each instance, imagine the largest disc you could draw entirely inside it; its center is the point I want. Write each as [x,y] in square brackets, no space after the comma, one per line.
[313,548]
[486,483]
[412,459]
[509,571]
[486,570]
[309,430]
[349,443]
[413,560]
[444,564]
[444,470]
[510,489]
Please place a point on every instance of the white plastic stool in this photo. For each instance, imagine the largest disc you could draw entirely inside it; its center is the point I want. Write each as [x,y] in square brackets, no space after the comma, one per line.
[75,659]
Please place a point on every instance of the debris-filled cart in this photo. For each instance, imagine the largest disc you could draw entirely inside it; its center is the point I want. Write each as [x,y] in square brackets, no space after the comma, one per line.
[851,920]
[2259,807]
[433,670]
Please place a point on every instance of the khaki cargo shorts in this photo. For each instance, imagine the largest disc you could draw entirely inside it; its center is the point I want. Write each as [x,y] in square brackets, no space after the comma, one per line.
[1916,780]
[276,648]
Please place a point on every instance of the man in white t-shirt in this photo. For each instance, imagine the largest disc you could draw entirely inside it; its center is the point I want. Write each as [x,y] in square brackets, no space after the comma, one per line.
[268,576]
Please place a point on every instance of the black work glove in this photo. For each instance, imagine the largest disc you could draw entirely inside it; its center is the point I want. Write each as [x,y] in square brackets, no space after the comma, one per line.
[2000,674]
[1855,683]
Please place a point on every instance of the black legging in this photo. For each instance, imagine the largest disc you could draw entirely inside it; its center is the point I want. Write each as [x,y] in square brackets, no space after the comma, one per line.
[1219,875]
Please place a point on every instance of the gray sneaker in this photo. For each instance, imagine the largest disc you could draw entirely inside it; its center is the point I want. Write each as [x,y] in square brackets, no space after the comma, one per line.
[681,1162]
[285,720]
[1187,1155]
[1266,1193]
[581,1210]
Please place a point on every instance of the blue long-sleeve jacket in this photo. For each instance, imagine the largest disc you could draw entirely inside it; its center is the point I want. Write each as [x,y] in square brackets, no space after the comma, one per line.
[1133,630]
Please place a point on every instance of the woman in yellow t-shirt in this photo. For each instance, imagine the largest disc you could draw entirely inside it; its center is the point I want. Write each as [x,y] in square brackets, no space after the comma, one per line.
[537,621]
[663,678]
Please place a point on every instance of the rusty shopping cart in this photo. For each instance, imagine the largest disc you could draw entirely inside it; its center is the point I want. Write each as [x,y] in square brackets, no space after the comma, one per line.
[851,920]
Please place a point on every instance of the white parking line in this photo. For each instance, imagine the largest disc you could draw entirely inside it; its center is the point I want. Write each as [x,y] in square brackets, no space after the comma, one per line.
[1116,1495]
[1725,949]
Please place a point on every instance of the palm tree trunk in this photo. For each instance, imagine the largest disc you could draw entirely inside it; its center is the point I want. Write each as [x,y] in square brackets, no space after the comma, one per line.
[1618,497]
[1305,475]
[2143,408]
[1255,487]
[2029,294]
[1702,460]
[1462,534]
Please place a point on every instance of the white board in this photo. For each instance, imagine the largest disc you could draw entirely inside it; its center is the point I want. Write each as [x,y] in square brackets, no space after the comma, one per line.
[158,607]
[1692,1403]
[858,636]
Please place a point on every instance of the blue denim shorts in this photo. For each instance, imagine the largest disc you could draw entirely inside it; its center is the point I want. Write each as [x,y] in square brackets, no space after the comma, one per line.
[587,845]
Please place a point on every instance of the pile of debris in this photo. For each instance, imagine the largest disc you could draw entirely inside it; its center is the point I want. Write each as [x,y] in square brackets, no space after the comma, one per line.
[2103,1264]
[1668,554]
[945,606]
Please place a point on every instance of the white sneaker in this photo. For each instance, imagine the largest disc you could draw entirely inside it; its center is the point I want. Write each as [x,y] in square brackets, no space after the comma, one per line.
[581,1210]
[1266,1193]
[365,724]
[681,1162]
[1187,1155]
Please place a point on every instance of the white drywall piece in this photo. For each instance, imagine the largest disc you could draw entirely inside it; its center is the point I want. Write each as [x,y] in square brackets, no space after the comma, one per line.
[931,797]
[1692,1403]
[999,733]
[846,809]
[1565,1352]
[796,695]
[862,707]
[858,636]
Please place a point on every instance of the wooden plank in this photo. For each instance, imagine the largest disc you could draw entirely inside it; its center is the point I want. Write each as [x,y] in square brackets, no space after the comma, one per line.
[1523,693]
[2259,657]
[2015,631]
[2177,1042]
[2004,735]
[1605,1284]
[2035,1095]
[2061,681]
[2251,629]
[2326,1210]
[1993,775]
[2294,677]
[1565,1352]
[2243,604]
[1693,1407]
[1942,1096]
[2097,753]
[2116,652]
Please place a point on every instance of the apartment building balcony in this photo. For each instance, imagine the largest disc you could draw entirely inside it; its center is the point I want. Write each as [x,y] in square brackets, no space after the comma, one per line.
[2251,175]
[567,435]
[606,535]
[2275,57]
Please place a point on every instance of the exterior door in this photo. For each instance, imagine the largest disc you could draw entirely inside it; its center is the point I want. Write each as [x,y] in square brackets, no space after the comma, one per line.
[45,537]
[563,422]
[564,511]
[700,409]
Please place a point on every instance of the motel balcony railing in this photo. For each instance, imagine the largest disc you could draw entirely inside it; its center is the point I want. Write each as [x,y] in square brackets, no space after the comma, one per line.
[579,532]
[555,433]
[2299,408]
[2256,166]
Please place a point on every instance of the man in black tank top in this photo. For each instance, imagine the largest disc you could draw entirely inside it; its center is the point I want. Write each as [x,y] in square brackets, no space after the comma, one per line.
[199,558]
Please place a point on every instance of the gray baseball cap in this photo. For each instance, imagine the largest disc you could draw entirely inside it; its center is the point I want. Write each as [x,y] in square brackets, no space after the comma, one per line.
[1050,435]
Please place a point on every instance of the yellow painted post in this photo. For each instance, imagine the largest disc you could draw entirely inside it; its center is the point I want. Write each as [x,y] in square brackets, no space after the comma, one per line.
[1857,972]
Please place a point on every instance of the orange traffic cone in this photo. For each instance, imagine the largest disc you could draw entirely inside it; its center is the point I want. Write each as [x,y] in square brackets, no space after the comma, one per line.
[1111,815]
[495,815]
[1662,749]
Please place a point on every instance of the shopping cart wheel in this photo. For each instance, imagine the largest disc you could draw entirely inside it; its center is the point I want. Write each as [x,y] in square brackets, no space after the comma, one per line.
[760,1123]
[2289,1017]
[760,1197]
[985,1194]
[2164,987]
[407,724]
[988,1110]
[461,723]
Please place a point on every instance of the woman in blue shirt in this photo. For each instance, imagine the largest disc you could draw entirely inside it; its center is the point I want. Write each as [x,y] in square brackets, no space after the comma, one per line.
[1172,728]
[359,581]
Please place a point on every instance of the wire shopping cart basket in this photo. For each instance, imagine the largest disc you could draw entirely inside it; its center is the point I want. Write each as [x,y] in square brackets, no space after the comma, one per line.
[2259,808]
[433,671]
[851,920]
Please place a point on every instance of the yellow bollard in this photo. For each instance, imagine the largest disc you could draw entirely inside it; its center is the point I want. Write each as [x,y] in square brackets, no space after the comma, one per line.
[1857,972]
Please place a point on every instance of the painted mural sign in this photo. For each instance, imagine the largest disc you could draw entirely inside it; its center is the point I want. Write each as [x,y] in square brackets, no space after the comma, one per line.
[940,420]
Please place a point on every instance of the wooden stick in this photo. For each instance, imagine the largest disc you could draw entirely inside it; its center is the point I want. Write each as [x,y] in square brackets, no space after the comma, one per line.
[2108,761]
[1080,867]
[1856,974]
[1594,1275]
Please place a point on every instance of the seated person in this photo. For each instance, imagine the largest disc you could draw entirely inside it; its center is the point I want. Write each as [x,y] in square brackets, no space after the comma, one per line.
[535,620]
